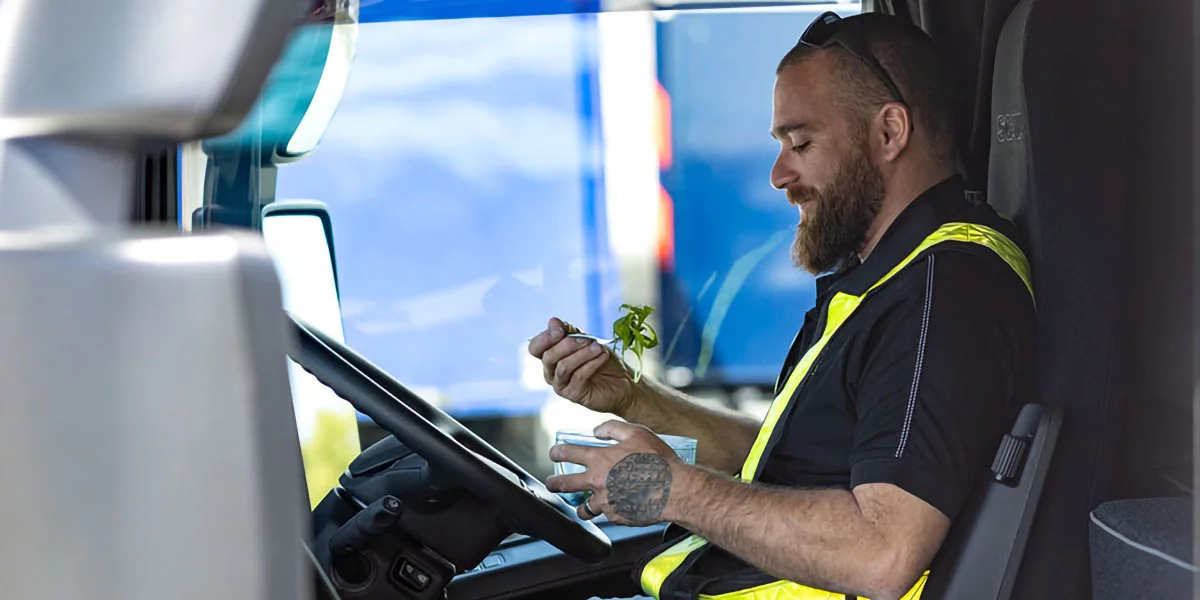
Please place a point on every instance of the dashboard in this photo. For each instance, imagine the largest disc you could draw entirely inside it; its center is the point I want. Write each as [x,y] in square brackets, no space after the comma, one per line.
[522,566]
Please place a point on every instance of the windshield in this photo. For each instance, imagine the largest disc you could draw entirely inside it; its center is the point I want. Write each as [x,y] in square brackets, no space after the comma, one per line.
[484,175]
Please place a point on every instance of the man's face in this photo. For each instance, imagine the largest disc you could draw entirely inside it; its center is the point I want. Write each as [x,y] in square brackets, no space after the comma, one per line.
[824,166]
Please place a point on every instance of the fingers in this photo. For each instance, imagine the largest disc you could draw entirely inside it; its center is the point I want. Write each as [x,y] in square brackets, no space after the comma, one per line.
[555,331]
[574,453]
[553,369]
[579,379]
[565,370]
[618,430]
[595,505]
[571,328]
[583,513]
[575,482]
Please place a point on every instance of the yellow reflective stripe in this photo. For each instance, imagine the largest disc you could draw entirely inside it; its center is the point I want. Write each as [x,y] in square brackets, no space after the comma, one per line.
[840,309]
[976,234]
[777,590]
[661,567]
[841,306]
[787,590]
[917,588]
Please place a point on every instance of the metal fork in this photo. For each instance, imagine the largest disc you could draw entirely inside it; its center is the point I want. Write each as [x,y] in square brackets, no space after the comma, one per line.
[585,336]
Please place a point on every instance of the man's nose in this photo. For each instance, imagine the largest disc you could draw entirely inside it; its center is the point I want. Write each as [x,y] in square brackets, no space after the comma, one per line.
[782,175]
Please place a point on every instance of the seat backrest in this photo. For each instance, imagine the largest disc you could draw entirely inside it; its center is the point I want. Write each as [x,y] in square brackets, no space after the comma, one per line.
[1058,168]
[980,557]
[1060,102]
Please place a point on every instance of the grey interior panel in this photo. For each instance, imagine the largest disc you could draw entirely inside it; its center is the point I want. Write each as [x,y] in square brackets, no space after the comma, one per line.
[148,438]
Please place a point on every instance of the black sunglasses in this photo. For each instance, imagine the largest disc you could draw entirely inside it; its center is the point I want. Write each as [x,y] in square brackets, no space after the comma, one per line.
[827,30]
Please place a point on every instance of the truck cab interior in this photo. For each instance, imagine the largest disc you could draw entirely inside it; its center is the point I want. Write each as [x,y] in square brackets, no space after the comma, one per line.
[153,434]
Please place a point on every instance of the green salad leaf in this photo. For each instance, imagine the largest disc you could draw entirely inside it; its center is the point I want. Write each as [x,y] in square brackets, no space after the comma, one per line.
[632,333]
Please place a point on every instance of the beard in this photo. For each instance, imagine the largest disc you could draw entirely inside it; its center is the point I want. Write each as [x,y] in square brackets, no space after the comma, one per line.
[835,226]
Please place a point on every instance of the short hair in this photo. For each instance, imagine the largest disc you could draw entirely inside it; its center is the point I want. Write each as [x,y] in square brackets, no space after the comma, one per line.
[914,63]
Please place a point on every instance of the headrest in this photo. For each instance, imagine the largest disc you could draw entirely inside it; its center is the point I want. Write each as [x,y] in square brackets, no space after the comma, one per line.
[1010,169]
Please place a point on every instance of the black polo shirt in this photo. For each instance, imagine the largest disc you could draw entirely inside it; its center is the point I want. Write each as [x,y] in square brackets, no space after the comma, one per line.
[919,385]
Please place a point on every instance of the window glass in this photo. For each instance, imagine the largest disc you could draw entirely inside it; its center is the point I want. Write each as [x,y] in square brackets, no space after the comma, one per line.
[730,294]
[484,175]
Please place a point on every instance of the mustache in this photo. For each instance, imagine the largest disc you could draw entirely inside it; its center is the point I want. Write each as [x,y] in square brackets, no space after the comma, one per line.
[799,195]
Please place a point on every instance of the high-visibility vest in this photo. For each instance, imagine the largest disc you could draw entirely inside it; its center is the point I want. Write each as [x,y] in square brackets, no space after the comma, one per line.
[841,306]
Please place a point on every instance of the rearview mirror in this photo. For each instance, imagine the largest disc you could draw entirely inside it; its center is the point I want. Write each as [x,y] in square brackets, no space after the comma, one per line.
[299,236]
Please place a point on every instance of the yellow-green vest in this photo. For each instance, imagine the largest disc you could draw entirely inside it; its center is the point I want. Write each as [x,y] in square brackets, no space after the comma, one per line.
[841,306]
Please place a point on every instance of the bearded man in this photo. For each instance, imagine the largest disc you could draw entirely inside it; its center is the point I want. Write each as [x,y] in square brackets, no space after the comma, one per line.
[898,386]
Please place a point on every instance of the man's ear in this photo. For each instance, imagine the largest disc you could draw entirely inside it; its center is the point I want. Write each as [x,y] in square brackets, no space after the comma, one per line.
[895,130]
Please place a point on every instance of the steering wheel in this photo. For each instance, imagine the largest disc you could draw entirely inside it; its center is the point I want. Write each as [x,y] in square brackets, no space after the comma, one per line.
[447,445]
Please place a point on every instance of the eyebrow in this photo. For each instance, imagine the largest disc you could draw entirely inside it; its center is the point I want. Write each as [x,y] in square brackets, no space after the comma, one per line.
[783,130]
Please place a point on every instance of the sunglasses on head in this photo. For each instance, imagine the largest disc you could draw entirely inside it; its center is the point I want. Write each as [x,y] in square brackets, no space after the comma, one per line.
[829,29]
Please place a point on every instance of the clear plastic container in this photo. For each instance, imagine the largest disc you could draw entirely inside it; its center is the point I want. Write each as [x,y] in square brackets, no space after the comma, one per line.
[684,447]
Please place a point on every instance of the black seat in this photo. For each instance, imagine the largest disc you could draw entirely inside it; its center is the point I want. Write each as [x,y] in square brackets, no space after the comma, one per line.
[1077,142]
[1142,548]
[980,556]
[1060,169]
[983,551]
[1087,159]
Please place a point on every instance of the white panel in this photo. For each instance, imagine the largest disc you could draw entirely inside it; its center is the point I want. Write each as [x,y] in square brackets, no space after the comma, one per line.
[29,197]
[147,443]
[149,65]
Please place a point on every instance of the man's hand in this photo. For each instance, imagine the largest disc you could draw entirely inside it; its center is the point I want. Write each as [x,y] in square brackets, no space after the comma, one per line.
[590,375]
[630,481]
[582,370]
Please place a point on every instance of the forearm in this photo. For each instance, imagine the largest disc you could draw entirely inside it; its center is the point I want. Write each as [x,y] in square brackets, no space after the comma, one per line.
[723,437]
[821,537]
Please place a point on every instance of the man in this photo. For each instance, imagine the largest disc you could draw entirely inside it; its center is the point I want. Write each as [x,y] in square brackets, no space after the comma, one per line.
[898,386]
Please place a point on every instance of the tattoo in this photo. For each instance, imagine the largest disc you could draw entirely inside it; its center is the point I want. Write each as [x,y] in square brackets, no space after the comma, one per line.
[639,486]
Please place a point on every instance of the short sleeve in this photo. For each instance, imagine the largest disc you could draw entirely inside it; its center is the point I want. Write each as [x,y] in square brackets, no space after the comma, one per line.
[940,375]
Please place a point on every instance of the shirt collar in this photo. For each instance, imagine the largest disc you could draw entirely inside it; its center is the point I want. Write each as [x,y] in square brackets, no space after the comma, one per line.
[924,215]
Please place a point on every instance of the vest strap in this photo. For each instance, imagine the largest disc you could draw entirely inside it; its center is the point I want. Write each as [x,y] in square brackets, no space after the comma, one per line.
[840,308]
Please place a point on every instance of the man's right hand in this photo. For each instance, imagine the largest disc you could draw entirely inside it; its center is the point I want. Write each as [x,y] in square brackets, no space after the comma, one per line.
[582,370]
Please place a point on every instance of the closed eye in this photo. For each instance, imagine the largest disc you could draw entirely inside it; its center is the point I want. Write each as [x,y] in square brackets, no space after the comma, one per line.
[799,148]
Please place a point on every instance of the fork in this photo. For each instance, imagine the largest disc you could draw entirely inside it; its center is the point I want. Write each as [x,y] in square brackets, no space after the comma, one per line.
[588,336]
[585,336]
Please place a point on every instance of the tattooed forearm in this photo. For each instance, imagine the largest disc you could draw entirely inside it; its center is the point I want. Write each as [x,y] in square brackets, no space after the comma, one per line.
[873,541]
[639,486]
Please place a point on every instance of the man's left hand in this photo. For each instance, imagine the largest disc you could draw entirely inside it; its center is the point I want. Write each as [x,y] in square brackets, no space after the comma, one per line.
[630,481]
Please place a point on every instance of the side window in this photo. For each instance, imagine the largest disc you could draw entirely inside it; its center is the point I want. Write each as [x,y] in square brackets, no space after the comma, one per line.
[484,175]
[731,298]
[464,199]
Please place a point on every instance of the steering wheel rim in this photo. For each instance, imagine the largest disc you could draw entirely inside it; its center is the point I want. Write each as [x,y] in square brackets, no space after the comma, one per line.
[479,468]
